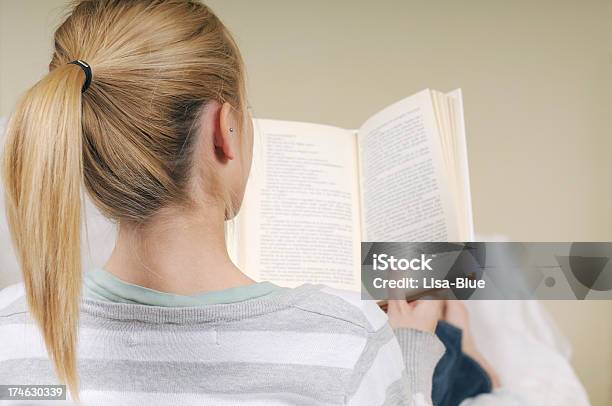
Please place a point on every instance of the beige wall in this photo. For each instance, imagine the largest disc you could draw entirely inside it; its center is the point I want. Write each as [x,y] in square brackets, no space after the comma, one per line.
[537,82]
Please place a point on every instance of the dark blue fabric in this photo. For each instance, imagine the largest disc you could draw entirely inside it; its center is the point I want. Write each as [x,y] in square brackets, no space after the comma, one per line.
[457,376]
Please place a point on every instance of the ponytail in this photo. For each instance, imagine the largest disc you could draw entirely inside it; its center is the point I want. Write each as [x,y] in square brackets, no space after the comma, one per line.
[42,173]
[129,139]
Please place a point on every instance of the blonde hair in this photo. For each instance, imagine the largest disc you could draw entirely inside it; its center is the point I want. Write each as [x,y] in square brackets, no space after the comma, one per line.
[129,138]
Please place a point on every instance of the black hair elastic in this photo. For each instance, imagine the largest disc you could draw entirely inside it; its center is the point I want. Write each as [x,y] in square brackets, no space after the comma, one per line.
[85,66]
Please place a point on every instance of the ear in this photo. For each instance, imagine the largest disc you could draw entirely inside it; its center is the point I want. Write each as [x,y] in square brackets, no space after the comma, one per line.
[225,142]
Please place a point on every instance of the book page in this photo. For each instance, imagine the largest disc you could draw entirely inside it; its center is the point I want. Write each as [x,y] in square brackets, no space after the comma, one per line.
[463,173]
[448,109]
[404,188]
[300,219]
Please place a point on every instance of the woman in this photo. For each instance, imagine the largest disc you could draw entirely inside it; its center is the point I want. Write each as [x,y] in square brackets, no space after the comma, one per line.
[144,103]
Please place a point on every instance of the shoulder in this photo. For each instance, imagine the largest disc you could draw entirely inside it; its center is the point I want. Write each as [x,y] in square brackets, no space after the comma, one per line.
[12,300]
[377,367]
[15,319]
[344,306]
[22,354]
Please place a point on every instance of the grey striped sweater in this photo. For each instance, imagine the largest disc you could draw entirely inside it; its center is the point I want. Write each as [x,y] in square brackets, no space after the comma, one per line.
[310,345]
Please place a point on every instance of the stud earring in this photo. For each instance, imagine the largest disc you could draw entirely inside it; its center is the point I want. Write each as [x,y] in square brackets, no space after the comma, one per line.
[231,130]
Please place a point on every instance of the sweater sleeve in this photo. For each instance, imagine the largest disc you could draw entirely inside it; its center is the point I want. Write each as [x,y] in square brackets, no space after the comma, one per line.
[421,352]
[395,369]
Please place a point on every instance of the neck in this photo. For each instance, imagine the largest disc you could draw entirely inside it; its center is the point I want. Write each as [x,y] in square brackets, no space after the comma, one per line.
[182,253]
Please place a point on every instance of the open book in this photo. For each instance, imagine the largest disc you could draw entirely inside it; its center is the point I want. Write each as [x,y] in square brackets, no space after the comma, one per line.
[317,191]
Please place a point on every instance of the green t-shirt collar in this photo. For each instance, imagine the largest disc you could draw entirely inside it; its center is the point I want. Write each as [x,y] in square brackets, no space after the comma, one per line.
[98,284]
